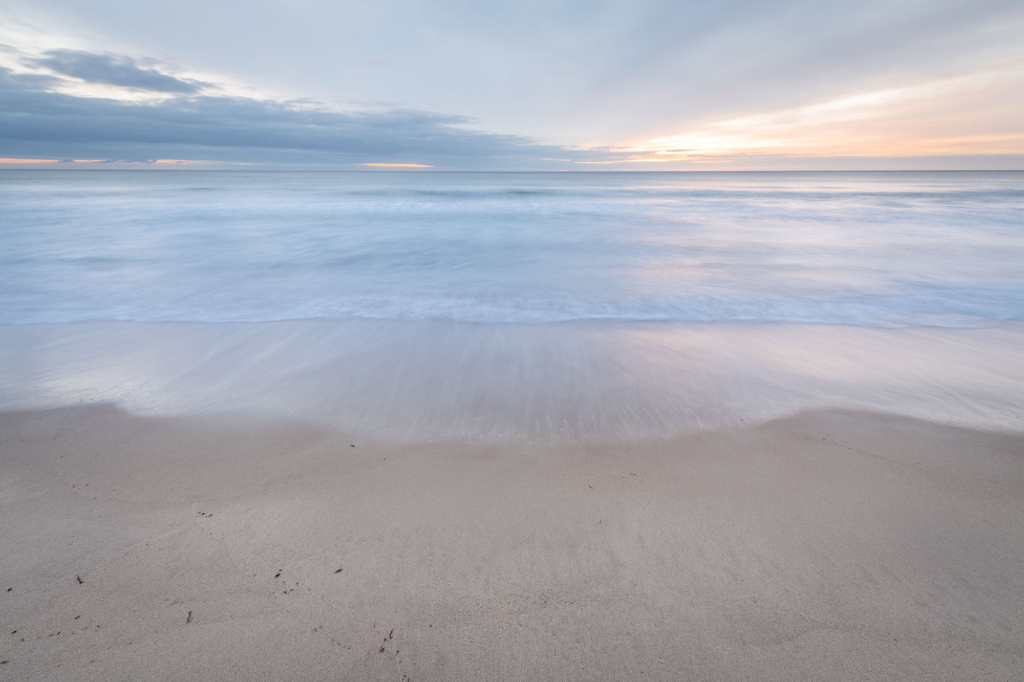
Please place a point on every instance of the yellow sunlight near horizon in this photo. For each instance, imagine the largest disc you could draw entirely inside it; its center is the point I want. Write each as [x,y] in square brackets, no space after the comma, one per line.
[977,114]
[399,165]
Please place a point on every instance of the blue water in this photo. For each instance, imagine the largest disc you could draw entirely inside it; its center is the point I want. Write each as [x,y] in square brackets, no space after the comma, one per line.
[868,249]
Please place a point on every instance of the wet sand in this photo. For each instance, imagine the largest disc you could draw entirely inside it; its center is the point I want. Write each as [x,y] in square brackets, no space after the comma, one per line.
[827,546]
[581,381]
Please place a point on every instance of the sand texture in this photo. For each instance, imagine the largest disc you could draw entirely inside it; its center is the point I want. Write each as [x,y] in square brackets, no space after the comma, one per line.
[826,546]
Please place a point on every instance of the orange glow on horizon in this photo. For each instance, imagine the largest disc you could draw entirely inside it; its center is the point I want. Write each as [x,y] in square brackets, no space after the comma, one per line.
[115,161]
[935,118]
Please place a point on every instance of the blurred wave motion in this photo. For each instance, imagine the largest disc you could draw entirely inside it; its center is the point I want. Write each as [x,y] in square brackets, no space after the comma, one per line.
[867,249]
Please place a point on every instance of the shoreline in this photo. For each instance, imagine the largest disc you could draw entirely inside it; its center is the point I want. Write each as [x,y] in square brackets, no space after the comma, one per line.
[572,382]
[828,545]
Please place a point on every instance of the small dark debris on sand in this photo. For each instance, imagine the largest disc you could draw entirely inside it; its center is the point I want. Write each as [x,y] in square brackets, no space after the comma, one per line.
[338,571]
[79,579]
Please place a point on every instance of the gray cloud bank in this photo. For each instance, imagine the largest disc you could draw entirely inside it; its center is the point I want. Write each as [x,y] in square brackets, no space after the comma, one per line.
[112,69]
[38,122]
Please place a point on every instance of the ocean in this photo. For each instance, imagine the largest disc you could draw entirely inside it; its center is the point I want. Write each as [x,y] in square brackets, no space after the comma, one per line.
[490,306]
[867,249]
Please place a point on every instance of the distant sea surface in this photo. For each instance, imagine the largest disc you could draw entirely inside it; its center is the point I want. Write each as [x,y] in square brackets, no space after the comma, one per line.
[867,249]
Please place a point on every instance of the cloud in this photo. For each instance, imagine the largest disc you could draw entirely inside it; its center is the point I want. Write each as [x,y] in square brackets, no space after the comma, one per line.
[671,85]
[110,69]
[37,121]
[616,72]
[940,118]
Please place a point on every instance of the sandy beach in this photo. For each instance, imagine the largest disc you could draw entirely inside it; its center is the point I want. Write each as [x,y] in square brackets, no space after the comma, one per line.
[511,426]
[832,545]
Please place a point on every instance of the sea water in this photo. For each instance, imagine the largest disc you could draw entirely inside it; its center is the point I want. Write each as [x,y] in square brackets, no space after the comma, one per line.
[870,249]
[515,304]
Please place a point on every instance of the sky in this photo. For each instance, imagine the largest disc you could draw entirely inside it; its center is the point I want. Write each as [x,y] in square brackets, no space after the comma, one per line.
[513,85]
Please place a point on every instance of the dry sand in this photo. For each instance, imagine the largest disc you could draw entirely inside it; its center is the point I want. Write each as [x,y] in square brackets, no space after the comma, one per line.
[831,545]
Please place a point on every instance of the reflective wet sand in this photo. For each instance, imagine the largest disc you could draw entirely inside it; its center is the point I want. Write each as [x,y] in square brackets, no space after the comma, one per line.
[581,381]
